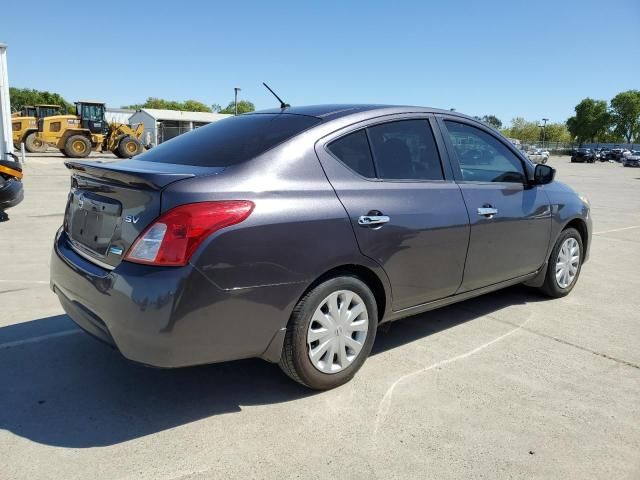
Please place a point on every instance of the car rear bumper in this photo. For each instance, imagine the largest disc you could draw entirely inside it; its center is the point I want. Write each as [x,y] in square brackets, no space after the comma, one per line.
[168,316]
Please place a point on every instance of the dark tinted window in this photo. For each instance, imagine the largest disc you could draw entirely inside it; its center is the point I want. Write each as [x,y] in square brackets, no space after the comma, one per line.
[353,151]
[230,141]
[405,150]
[483,157]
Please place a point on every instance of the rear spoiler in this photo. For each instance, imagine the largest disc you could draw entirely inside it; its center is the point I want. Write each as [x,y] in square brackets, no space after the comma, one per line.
[138,174]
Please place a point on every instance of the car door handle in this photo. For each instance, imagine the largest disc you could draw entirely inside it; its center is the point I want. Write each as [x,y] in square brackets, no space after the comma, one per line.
[367,220]
[487,211]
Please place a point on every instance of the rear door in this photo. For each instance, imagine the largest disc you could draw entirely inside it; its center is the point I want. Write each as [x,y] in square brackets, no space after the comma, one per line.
[510,219]
[406,211]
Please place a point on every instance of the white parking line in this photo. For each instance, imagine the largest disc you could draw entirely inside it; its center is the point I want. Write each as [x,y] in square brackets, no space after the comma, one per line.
[616,230]
[41,338]
[385,403]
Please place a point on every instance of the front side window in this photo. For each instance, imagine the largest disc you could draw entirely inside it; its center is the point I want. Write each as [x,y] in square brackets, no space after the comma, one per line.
[482,157]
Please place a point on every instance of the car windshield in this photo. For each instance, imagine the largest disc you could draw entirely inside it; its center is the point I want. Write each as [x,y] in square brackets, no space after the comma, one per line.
[230,141]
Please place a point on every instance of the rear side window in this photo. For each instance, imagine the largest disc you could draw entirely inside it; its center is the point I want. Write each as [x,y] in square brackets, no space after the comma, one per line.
[353,150]
[230,141]
[405,150]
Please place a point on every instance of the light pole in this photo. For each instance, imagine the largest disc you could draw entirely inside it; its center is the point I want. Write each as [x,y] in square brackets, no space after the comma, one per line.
[235,102]
[544,130]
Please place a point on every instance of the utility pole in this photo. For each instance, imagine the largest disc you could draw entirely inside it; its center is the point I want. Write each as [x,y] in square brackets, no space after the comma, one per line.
[235,102]
[544,130]
[6,140]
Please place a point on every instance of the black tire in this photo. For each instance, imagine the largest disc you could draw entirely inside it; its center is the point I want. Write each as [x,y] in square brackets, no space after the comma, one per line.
[128,147]
[295,361]
[550,286]
[33,144]
[77,146]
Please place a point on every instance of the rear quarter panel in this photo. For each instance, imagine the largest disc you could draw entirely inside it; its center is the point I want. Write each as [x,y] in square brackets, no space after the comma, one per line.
[297,231]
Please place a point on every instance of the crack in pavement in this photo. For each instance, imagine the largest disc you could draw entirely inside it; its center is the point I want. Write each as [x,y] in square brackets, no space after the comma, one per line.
[385,403]
[570,344]
[13,290]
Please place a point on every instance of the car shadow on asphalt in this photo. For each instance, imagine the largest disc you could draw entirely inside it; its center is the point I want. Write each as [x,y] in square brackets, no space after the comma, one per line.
[70,390]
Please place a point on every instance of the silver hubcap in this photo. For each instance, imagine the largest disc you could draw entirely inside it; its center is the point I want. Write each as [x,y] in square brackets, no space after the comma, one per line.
[337,331]
[568,262]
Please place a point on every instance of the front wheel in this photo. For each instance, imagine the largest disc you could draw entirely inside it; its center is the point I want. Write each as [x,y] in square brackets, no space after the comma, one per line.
[330,333]
[128,147]
[564,265]
[77,146]
[33,144]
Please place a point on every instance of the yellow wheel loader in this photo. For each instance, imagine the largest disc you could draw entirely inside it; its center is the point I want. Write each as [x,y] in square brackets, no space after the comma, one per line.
[77,135]
[24,126]
[26,111]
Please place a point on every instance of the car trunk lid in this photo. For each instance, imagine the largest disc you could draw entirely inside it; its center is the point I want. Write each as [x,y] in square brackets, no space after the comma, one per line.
[111,203]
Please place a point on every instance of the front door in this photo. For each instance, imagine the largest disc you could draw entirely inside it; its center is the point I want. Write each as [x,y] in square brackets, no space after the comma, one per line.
[406,211]
[510,219]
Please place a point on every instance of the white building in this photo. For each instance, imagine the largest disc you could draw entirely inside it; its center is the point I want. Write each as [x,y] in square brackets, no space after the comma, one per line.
[162,125]
[118,115]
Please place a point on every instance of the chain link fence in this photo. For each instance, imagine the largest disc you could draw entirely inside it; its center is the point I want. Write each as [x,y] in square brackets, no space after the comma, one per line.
[566,148]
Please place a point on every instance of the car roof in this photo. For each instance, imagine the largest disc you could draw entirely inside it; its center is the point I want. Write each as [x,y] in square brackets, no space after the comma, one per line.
[333,111]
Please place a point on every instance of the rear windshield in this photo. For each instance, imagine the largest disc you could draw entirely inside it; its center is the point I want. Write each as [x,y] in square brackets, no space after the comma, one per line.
[230,141]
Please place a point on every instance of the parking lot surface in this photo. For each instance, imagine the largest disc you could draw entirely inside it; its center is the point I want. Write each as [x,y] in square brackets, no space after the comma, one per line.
[508,385]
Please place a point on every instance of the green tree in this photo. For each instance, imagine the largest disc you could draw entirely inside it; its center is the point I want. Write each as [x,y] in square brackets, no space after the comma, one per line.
[522,130]
[492,121]
[625,114]
[557,132]
[160,103]
[244,106]
[21,97]
[195,106]
[591,121]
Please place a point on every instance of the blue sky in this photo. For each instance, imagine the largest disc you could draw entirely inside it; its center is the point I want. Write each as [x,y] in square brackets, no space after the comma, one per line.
[512,58]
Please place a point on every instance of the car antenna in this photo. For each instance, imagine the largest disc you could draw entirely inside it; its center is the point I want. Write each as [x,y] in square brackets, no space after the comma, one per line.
[282,104]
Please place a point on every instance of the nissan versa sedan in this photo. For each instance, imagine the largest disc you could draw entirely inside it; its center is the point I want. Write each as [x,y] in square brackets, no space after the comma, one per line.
[292,234]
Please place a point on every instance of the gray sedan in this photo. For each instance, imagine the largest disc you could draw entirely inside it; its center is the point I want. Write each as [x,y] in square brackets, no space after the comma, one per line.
[292,234]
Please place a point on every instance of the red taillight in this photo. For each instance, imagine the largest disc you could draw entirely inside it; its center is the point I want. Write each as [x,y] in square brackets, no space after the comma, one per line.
[172,238]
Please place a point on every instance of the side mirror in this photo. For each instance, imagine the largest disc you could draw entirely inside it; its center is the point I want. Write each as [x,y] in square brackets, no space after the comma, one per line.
[543,174]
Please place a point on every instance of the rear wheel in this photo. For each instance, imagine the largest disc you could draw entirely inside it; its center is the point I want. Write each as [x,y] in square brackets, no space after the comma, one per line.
[128,147]
[33,144]
[77,146]
[564,265]
[330,333]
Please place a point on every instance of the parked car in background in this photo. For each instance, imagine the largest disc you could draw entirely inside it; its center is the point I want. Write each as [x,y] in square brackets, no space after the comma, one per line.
[583,155]
[602,154]
[617,154]
[631,160]
[538,156]
[291,234]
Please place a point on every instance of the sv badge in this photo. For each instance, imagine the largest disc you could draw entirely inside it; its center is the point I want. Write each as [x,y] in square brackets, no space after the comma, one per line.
[131,219]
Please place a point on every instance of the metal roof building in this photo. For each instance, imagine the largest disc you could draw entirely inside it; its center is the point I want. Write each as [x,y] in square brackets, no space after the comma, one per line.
[118,115]
[162,125]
